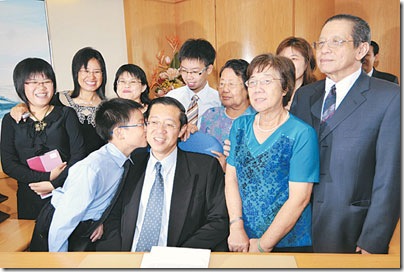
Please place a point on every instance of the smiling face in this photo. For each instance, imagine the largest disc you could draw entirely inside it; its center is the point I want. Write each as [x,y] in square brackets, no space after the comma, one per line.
[163,129]
[90,78]
[340,61]
[129,87]
[39,90]
[266,97]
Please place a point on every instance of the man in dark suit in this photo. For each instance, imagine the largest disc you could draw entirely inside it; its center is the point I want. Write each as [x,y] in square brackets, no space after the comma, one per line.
[368,64]
[356,204]
[193,209]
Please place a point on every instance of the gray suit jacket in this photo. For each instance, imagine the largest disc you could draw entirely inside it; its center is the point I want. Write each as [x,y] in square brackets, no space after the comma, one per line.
[357,202]
[385,76]
[198,214]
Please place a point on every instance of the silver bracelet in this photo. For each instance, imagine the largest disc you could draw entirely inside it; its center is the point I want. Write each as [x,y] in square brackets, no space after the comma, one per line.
[235,220]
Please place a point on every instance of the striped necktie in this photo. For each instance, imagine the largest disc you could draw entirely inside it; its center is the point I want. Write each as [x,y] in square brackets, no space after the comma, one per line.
[329,107]
[150,233]
[192,112]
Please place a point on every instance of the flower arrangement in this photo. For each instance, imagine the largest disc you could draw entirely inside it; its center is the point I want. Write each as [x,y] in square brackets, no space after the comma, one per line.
[166,76]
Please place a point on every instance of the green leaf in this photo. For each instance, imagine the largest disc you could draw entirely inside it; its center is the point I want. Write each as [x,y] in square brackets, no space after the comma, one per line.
[175,62]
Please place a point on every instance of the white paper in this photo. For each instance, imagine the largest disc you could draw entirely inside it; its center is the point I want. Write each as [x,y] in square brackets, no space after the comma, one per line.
[46,195]
[176,257]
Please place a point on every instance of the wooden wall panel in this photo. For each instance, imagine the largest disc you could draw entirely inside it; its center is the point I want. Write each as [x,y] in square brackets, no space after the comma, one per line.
[310,16]
[248,28]
[383,17]
[148,22]
[196,19]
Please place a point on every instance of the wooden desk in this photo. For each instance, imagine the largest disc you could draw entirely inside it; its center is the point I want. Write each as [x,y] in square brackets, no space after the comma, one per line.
[15,235]
[217,260]
[132,260]
[8,187]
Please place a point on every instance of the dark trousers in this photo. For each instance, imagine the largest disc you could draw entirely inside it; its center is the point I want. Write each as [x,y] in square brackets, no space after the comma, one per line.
[79,240]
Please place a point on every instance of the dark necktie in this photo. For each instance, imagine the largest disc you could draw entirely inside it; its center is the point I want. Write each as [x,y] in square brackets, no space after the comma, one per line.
[192,112]
[328,108]
[149,235]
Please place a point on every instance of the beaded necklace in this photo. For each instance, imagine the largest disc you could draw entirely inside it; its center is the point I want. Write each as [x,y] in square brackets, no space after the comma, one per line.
[274,128]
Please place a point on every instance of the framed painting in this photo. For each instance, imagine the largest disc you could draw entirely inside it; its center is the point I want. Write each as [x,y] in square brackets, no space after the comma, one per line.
[23,34]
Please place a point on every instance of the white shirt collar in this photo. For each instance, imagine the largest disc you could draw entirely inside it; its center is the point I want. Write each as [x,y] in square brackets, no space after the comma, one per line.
[167,163]
[343,86]
[201,94]
[371,72]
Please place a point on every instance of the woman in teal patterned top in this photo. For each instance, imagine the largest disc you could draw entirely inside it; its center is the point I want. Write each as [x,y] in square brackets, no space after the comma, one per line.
[233,95]
[273,163]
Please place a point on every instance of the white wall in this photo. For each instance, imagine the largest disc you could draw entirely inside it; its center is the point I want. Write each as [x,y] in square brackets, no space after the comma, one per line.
[74,24]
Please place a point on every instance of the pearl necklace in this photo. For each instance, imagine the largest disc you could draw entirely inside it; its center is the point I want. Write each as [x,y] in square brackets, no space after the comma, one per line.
[271,129]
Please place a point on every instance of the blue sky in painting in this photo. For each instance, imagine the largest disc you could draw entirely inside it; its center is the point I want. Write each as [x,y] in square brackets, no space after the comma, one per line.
[23,34]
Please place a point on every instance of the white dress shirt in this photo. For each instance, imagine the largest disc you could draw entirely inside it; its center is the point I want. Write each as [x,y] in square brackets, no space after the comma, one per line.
[208,98]
[86,193]
[167,171]
[370,73]
[342,87]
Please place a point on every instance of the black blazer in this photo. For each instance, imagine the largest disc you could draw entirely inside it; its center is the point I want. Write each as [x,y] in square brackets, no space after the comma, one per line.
[198,214]
[385,76]
[357,201]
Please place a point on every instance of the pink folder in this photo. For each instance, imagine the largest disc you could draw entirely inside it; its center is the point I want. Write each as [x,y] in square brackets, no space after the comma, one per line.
[45,163]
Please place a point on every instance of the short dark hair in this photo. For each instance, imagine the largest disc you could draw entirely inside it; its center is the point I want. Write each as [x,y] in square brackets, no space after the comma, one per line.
[113,113]
[137,72]
[360,29]
[169,101]
[283,65]
[375,47]
[199,49]
[28,67]
[81,58]
[239,67]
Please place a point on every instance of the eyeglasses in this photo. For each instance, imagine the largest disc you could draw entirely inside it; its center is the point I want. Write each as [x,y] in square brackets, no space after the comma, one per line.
[131,83]
[86,72]
[184,72]
[156,124]
[35,83]
[230,85]
[129,126]
[135,125]
[252,83]
[333,43]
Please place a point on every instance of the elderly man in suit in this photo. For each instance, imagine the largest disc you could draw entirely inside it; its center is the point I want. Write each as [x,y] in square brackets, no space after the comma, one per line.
[171,197]
[356,205]
[368,64]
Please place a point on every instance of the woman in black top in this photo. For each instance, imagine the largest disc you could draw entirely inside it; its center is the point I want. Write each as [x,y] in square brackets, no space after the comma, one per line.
[49,127]
[89,77]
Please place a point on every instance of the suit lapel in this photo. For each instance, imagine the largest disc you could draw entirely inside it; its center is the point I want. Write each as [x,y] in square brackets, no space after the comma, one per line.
[349,104]
[375,73]
[180,199]
[131,200]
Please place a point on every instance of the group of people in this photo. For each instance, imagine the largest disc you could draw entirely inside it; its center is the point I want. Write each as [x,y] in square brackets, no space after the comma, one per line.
[311,166]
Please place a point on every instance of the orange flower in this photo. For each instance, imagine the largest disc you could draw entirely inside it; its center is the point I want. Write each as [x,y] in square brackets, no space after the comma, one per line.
[165,76]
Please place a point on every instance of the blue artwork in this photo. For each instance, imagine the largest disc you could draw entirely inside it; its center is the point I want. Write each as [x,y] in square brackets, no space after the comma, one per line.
[6,105]
[23,34]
